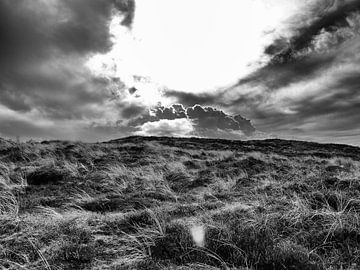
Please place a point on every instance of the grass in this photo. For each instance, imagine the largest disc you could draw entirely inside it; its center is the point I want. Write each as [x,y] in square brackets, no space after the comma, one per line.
[164,203]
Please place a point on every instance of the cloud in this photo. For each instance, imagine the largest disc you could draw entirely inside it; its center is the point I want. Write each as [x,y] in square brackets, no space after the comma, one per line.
[318,43]
[43,51]
[324,106]
[127,7]
[277,75]
[208,118]
[132,110]
[310,44]
[191,99]
[205,121]
[337,107]
[164,127]
[309,86]
[321,16]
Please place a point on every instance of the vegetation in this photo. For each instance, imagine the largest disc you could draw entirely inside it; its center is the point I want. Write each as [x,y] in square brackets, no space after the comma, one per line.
[179,203]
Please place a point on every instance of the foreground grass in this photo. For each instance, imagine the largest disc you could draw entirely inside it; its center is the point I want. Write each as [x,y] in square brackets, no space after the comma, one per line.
[162,203]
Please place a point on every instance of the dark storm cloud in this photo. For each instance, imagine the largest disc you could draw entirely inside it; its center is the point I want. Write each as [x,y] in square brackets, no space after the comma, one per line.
[315,37]
[206,121]
[132,90]
[329,111]
[315,34]
[342,102]
[43,50]
[191,99]
[34,29]
[132,110]
[210,118]
[324,15]
[173,112]
[127,7]
[277,75]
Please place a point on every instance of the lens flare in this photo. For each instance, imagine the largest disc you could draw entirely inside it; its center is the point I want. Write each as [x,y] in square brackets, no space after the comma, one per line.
[198,235]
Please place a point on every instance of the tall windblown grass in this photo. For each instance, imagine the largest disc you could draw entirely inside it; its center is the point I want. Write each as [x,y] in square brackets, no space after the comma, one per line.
[9,206]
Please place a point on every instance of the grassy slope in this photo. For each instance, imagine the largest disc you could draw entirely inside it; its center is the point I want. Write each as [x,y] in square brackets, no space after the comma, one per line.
[164,203]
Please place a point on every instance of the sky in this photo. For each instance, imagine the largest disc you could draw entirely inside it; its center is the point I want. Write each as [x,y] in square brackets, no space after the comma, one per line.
[95,70]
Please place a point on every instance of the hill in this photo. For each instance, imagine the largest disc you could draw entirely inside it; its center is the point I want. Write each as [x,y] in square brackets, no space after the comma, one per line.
[179,203]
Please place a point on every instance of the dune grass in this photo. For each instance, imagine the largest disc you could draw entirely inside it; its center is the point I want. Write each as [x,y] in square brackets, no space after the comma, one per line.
[162,203]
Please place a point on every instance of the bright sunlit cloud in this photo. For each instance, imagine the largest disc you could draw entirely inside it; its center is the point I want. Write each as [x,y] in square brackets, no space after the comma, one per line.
[191,46]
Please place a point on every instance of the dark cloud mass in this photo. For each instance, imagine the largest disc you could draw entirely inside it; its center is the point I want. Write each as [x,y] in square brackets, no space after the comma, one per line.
[277,75]
[132,110]
[205,121]
[210,118]
[191,99]
[43,50]
[323,15]
[316,37]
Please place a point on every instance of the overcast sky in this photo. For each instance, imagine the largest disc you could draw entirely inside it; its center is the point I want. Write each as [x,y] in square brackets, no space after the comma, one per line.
[99,69]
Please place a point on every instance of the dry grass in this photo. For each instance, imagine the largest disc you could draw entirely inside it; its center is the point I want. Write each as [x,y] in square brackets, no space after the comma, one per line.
[8,204]
[161,203]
